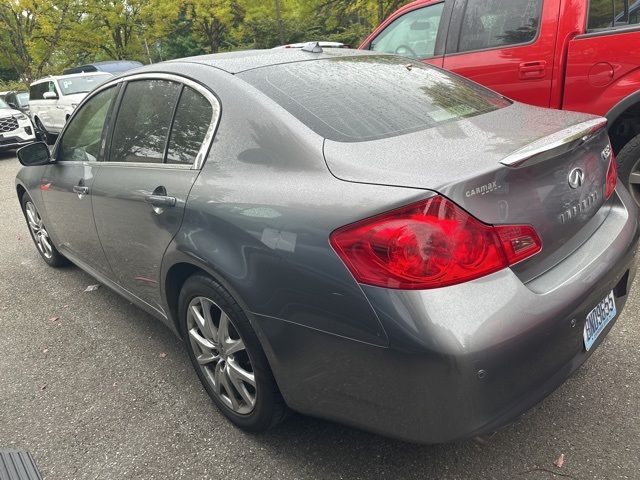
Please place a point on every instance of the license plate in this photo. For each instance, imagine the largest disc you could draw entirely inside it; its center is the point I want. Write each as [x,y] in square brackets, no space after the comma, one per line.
[598,319]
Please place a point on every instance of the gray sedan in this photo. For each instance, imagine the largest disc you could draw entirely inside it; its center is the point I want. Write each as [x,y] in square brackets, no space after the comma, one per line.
[346,234]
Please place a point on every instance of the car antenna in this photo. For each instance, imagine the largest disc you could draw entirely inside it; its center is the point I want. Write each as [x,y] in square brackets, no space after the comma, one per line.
[312,47]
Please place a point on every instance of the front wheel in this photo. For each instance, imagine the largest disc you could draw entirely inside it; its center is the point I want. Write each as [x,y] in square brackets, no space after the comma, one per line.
[629,167]
[40,235]
[227,355]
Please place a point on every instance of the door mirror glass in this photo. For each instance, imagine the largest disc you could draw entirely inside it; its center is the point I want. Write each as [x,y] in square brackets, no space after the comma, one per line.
[49,95]
[35,154]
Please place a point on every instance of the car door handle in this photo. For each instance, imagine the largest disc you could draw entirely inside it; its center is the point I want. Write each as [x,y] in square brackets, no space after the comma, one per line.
[163,201]
[80,190]
[533,70]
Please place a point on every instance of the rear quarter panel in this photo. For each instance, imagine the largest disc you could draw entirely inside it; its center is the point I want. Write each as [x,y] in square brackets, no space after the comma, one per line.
[261,212]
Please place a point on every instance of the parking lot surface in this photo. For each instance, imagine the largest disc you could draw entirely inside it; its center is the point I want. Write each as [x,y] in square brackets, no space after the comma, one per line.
[95,388]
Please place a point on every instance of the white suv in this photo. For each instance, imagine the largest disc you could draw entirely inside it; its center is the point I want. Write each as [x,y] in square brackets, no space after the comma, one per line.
[16,129]
[53,99]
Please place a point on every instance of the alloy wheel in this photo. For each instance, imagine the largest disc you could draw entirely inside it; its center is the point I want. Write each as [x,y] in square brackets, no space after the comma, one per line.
[39,232]
[221,355]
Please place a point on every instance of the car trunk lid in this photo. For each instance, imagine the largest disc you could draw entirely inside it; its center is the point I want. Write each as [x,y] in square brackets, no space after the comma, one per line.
[517,165]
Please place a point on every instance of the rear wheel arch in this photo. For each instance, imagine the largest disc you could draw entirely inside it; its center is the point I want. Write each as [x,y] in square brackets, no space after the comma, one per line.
[178,273]
[624,121]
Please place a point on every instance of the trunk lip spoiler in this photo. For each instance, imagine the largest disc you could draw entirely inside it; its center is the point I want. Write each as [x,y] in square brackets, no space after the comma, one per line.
[580,132]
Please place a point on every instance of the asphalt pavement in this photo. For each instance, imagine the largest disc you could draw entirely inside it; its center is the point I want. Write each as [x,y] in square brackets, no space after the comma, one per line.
[95,388]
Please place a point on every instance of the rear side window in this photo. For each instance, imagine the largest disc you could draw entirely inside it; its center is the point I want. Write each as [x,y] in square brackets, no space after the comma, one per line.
[190,126]
[608,14]
[411,35]
[361,98]
[496,23]
[143,122]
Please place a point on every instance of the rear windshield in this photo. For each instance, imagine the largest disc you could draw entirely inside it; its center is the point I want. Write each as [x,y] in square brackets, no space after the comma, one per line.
[353,99]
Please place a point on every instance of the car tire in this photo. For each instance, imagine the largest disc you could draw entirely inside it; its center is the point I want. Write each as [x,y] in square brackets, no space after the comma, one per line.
[216,367]
[40,235]
[629,164]
[42,133]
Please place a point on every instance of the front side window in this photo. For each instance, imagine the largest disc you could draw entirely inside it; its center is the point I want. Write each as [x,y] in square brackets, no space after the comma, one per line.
[190,126]
[82,139]
[143,122]
[609,14]
[411,35]
[51,87]
[496,23]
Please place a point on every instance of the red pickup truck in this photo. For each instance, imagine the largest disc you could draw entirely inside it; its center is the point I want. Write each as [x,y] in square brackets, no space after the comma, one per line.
[581,55]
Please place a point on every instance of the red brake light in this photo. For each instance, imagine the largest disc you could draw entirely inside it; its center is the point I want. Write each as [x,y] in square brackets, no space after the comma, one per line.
[430,244]
[612,177]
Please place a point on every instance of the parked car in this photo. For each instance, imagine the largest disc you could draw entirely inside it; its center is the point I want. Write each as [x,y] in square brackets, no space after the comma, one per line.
[581,55]
[2,94]
[53,99]
[18,100]
[16,129]
[356,236]
[110,66]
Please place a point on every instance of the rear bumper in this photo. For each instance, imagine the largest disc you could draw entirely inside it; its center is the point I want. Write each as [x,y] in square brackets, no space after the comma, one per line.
[463,360]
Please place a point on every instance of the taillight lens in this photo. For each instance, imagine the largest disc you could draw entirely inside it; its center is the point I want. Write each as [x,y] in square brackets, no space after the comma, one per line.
[612,177]
[430,244]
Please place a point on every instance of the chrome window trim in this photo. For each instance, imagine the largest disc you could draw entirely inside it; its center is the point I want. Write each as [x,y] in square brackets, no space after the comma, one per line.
[208,138]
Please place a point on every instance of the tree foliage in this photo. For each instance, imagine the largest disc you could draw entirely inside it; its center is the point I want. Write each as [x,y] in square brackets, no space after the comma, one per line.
[38,37]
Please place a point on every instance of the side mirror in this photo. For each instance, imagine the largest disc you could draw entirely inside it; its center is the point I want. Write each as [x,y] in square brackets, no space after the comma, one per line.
[49,95]
[35,154]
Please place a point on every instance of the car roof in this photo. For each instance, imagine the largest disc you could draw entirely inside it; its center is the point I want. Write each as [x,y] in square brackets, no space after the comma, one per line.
[237,62]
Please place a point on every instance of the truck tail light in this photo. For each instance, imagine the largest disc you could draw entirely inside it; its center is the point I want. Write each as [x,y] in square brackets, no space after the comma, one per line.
[429,244]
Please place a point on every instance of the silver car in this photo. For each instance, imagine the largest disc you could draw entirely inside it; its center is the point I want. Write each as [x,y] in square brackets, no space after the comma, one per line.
[350,235]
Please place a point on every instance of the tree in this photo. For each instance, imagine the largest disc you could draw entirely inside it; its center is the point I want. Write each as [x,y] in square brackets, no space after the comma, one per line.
[31,32]
[212,19]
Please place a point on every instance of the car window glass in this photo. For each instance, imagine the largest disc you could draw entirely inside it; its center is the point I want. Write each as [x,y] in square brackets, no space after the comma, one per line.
[23,99]
[144,118]
[372,96]
[192,120]
[81,84]
[607,14]
[52,88]
[412,35]
[496,23]
[82,138]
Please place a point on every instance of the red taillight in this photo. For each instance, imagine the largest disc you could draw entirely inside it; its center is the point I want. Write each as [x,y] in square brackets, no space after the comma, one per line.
[430,244]
[612,177]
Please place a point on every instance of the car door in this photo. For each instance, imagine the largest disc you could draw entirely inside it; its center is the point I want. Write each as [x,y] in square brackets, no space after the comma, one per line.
[66,187]
[507,46]
[417,32]
[160,137]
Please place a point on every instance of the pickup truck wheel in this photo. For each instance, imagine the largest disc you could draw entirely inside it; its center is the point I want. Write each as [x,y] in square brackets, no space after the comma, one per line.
[629,167]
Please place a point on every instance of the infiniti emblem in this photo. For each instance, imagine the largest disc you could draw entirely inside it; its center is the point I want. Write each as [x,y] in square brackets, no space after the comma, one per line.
[576,178]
